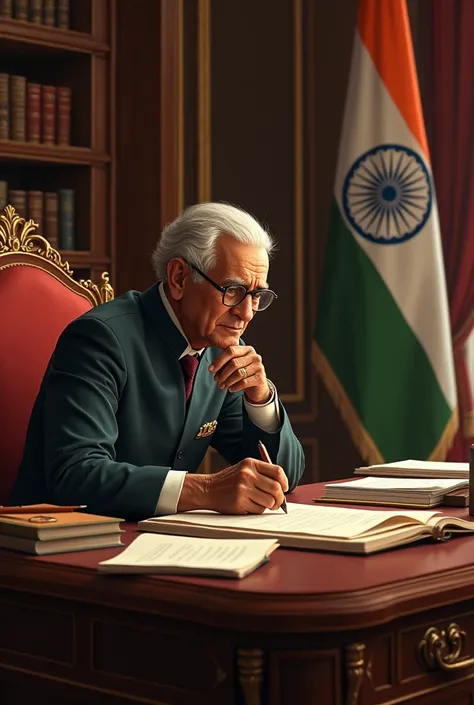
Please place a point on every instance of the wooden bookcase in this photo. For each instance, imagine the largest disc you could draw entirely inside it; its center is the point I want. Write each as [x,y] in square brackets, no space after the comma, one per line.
[82,58]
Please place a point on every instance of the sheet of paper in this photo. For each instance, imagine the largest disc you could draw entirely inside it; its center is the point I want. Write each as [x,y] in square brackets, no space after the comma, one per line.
[398,483]
[338,522]
[423,465]
[155,550]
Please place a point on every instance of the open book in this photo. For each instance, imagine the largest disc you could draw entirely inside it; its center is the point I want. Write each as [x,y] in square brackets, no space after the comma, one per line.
[177,555]
[417,468]
[405,491]
[316,527]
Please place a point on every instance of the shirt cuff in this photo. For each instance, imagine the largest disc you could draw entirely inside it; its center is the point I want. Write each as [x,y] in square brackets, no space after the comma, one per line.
[265,416]
[170,493]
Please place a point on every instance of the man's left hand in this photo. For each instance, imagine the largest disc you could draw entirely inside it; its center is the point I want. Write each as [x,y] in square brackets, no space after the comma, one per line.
[240,367]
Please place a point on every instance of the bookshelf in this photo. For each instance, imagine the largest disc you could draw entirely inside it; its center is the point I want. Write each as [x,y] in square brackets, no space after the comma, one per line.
[57,127]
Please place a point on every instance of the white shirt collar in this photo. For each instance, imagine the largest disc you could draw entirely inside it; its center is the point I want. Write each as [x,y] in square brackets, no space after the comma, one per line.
[189,350]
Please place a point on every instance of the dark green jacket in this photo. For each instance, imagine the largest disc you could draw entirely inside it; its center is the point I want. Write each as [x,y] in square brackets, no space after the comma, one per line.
[110,418]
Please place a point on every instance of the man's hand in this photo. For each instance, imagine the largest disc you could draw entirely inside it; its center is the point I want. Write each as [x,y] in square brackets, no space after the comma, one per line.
[240,367]
[249,487]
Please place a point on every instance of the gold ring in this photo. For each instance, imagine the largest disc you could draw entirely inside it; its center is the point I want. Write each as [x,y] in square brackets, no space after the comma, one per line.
[243,372]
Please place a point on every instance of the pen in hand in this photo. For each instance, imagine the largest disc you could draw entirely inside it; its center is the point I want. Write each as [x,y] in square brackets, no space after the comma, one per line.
[265,457]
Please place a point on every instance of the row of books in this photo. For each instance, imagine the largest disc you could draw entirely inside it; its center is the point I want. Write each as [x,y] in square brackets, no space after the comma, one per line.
[54,13]
[53,211]
[31,112]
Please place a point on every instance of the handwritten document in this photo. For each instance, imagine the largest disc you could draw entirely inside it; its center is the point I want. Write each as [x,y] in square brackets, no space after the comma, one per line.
[337,522]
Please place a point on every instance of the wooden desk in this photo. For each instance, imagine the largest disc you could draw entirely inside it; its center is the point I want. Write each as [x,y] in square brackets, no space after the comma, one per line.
[306,629]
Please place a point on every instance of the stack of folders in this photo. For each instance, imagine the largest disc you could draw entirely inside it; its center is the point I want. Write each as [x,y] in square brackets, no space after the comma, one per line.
[395,491]
[417,468]
[46,529]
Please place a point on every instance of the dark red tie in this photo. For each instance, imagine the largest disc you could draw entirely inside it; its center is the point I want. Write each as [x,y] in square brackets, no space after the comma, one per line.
[189,365]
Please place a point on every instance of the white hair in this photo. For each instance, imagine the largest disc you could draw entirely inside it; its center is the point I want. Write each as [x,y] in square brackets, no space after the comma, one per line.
[194,234]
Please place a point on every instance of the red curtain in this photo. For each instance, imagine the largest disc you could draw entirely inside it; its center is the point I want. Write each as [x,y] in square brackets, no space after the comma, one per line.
[450,122]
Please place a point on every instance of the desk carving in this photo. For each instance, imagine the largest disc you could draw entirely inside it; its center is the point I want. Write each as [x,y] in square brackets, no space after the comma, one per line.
[441,649]
[250,664]
[354,671]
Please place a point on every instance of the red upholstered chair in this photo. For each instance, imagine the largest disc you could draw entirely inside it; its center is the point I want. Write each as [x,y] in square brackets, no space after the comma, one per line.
[38,298]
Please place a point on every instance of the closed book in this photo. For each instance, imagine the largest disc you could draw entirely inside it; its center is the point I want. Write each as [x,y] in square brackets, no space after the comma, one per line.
[20,10]
[49,525]
[43,548]
[51,227]
[36,11]
[6,8]
[48,114]
[18,108]
[35,209]
[318,528]
[49,12]
[33,112]
[17,199]
[3,194]
[63,115]
[178,555]
[4,106]
[62,18]
[417,468]
[66,219]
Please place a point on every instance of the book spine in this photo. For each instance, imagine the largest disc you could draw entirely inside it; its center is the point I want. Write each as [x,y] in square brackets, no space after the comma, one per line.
[18,107]
[49,12]
[471,480]
[64,115]
[66,219]
[35,209]
[3,194]
[17,199]
[62,19]
[33,112]
[4,106]
[48,114]
[36,11]
[51,219]
[6,8]
[20,9]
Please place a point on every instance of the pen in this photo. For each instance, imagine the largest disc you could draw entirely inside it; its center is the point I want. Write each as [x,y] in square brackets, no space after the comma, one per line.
[264,455]
[35,508]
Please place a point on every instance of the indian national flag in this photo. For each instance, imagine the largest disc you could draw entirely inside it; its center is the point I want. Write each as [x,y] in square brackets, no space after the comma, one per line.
[382,340]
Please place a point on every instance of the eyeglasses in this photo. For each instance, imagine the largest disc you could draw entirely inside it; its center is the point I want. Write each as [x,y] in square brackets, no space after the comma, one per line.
[233,295]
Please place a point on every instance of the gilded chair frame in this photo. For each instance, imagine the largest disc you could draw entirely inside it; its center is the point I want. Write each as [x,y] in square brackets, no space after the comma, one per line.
[21,245]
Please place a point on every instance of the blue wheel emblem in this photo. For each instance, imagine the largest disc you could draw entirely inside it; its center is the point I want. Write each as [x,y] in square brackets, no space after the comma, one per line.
[387,194]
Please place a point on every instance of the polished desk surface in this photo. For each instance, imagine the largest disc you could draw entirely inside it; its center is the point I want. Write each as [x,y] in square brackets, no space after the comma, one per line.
[297,590]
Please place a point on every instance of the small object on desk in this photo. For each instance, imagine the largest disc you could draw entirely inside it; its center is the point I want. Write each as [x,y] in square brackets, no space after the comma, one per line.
[40,509]
[178,555]
[266,458]
[458,498]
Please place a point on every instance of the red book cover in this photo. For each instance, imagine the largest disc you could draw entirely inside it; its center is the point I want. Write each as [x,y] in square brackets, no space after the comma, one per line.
[4,106]
[35,209]
[64,115]
[18,108]
[51,219]
[48,114]
[33,112]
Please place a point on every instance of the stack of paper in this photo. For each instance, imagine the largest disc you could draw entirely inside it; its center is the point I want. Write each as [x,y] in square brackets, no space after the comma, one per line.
[411,492]
[417,468]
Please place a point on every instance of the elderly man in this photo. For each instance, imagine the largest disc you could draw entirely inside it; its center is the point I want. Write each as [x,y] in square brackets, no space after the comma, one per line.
[138,388]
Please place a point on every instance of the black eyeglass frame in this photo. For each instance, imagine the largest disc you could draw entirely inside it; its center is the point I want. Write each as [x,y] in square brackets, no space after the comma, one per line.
[223,289]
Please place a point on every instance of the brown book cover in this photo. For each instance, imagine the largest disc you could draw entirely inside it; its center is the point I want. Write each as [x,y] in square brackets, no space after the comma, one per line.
[3,194]
[4,106]
[33,112]
[66,545]
[20,10]
[6,8]
[18,108]
[36,11]
[63,14]
[51,219]
[46,526]
[63,115]
[35,209]
[48,114]
[17,199]
[49,12]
